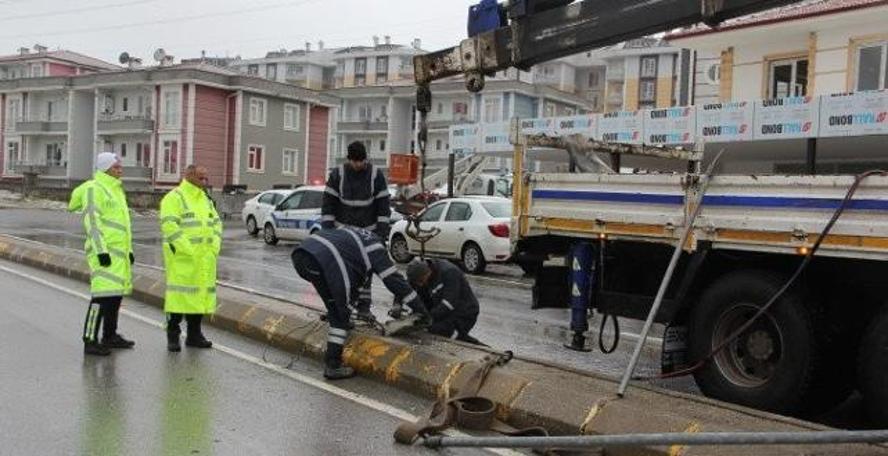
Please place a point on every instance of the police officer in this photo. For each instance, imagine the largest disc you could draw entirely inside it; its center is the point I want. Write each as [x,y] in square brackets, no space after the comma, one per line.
[192,232]
[109,252]
[357,195]
[338,262]
[453,305]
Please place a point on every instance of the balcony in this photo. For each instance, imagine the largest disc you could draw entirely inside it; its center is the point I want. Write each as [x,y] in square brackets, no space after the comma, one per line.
[363,125]
[137,173]
[109,124]
[41,127]
[446,124]
[41,169]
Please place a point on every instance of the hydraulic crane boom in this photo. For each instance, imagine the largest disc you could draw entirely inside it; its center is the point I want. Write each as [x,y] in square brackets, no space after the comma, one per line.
[534,31]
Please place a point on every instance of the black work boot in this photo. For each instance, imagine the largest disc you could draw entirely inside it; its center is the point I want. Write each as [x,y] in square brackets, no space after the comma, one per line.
[96,349]
[117,341]
[173,343]
[195,337]
[333,367]
[363,313]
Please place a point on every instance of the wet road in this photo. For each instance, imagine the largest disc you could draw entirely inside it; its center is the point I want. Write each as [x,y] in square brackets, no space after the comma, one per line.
[506,320]
[224,401]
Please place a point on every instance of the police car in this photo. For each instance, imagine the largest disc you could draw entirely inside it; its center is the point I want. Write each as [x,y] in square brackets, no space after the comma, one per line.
[296,217]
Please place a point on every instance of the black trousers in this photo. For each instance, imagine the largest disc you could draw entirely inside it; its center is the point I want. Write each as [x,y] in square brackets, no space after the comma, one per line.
[337,313]
[193,321]
[102,313]
[459,324]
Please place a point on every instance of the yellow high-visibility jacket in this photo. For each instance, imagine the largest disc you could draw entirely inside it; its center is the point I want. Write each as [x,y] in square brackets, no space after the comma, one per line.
[192,234]
[106,220]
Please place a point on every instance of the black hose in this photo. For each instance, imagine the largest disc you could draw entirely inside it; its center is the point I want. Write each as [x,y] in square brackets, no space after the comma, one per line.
[616,326]
[789,283]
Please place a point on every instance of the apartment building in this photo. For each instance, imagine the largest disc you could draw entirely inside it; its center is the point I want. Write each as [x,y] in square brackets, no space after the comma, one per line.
[246,131]
[816,47]
[309,68]
[41,62]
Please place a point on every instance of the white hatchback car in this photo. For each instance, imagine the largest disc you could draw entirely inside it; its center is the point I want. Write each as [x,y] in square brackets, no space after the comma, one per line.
[474,230]
[296,217]
[257,208]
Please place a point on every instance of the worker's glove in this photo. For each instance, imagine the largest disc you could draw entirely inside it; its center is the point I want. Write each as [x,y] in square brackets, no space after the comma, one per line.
[104,260]
[132,258]
[172,248]
[397,311]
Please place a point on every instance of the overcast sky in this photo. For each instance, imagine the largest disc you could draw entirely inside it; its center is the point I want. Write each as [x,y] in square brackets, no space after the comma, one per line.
[105,28]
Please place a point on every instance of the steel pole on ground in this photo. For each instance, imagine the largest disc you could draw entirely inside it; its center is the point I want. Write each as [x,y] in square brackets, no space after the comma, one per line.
[664,439]
[451,163]
[667,277]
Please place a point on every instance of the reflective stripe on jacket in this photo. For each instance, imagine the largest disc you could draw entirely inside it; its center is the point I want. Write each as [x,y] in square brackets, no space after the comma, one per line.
[190,224]
[106,222]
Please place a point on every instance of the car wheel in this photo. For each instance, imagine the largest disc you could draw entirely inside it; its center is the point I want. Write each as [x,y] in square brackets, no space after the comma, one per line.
[473,259]
[252,229]
[399,249]
[269,235]
[872,365]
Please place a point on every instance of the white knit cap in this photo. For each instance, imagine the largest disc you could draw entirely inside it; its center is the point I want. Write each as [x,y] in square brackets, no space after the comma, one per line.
[105,160]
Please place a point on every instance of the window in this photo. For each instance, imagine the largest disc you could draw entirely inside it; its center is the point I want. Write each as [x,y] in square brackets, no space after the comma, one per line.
[498,210]
[13,156]
[256,158]
[569,111]
[460,111]
[648,67]
[13,113]
[440,109]
[647,91]
[383,113]
[140,104]
[872,67]
[108,102]
[291,117]
[433,213]
[292,202]
[171,108]
[267,198]
[311,200]
[123,150]
[439,144]
[593,79]
[382,69]
[492,110]
[365,112]
[125,104]
[787,78]
[549,110]
[143,154]
[382,145]
[458,212]
[257,111]
[170,165]
[361,71]
[271,71]
[49,113]
[253,70]
[291,161]
[37,71]
[294,70]
[55,154]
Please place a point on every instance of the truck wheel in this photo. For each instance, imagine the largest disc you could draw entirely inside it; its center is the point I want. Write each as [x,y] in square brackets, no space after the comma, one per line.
[873,365]
[269,235]
[774,364]
[399,249]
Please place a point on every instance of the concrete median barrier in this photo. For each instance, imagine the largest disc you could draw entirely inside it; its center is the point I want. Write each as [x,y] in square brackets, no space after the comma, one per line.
[527,393]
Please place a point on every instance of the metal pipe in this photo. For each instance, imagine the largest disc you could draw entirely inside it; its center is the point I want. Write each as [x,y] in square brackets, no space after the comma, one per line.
[663,439]
[667,278]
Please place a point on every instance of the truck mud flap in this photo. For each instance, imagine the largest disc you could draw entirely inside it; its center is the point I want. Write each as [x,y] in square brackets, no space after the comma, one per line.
[674,353]
[551,288]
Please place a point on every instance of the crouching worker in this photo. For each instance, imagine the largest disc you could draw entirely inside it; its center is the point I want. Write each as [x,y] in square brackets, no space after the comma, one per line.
[339,262]
[453,305]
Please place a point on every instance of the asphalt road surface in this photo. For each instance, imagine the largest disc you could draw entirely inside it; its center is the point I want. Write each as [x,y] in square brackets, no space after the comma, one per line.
[223,401]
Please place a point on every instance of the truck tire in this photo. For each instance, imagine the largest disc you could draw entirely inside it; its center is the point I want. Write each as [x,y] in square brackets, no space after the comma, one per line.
[872,368]
[775,364]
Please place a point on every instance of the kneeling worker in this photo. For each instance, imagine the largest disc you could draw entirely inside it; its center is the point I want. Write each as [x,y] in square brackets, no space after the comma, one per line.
[340,262]
[453,305]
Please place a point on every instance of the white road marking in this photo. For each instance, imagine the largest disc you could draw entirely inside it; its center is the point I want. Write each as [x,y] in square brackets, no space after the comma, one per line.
[304,379]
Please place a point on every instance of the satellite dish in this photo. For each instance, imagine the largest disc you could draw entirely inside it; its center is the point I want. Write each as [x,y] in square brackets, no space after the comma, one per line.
[124,58]
[160,55]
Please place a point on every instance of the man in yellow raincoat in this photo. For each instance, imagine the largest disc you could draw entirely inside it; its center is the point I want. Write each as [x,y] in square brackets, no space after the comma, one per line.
[192,233]
[109,252]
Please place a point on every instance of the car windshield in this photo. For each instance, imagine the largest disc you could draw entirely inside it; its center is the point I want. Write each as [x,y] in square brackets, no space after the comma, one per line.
[498,210]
